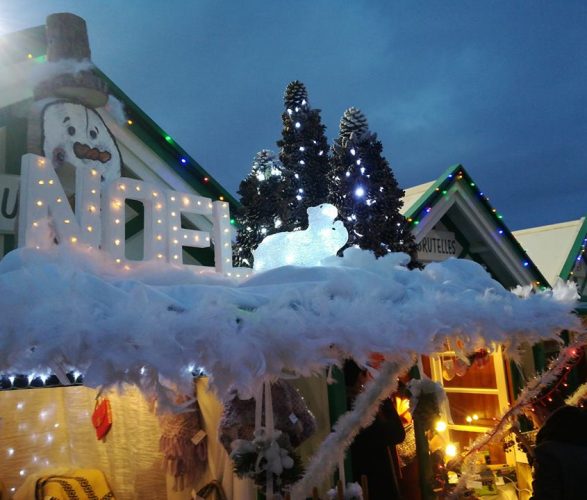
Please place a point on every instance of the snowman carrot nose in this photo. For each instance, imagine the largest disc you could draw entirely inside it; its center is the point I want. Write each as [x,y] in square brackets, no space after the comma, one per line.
[85,152]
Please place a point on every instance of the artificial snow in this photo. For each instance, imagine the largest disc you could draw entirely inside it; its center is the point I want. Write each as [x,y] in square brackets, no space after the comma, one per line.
[74,308]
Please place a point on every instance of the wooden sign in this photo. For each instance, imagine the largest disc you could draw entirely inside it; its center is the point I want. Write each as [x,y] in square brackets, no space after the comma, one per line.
[438,245]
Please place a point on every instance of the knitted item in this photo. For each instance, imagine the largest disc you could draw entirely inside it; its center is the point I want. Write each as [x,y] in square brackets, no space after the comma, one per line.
[88,484]
[183,459]
[291,415]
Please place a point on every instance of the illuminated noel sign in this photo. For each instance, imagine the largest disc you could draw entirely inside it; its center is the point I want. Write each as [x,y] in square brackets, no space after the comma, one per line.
[98,219]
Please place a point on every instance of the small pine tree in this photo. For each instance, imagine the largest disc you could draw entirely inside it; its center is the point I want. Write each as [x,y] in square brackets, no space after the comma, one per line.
[304,151]
[364,189]
[267,201]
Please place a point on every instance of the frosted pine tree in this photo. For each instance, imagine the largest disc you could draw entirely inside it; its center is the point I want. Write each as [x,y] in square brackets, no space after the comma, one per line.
[304,151]
[364,189]
[267,197]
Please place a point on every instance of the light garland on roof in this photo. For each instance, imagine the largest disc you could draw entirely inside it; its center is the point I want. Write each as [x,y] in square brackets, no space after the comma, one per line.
[443,190]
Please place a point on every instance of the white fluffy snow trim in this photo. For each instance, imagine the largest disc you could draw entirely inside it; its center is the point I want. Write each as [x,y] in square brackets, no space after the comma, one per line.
[77,306]
[49,70]
[116,110]
[348,426]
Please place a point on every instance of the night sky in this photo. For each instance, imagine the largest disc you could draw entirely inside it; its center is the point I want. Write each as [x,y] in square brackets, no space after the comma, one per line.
[499,86]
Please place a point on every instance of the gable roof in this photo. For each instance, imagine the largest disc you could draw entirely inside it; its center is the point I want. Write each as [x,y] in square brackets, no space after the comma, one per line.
[22,49]
[455,198]
[556,247]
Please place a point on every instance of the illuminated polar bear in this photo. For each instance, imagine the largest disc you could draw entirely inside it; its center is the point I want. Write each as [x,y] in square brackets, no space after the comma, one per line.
[76,136]
[322,239]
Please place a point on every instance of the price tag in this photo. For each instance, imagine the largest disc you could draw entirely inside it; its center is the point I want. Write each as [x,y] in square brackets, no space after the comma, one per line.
[198,436]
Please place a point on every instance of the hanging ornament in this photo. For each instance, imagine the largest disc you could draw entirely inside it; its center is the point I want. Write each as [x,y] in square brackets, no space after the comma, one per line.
[268,458]
[102,417]
[461,367]
[448,368]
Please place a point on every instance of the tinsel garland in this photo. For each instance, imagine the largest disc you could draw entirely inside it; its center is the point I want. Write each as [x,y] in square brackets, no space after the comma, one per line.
[576,399]
[349,425]
[567,357]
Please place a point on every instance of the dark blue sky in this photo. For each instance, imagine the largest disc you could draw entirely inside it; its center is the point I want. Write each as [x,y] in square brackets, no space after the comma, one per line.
[498,86]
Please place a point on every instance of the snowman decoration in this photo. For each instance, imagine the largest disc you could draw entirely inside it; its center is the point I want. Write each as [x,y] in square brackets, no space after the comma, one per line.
[76,137]
[64,125]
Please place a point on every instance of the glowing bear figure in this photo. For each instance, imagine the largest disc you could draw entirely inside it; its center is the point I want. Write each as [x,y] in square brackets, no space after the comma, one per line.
[322,239]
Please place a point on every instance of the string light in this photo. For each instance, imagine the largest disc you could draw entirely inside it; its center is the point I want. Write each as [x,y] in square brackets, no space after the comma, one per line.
[440,426]
[450,450]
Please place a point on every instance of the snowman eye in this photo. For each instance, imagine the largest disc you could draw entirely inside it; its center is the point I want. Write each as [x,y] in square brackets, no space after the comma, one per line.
[71,130]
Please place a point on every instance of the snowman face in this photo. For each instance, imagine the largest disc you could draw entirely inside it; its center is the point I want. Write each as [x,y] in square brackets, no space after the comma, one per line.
[76,135]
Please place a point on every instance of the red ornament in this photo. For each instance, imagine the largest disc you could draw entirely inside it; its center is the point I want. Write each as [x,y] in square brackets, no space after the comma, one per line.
[102,418]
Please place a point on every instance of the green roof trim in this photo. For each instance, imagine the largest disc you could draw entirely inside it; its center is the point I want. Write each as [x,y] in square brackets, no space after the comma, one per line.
[439,188]
[167,148]
[578,245]
[32,43]
[432,190]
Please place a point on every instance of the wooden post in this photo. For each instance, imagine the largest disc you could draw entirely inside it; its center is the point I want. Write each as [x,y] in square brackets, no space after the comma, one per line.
[339,490]
[422,448]
[365,487]
[423,456]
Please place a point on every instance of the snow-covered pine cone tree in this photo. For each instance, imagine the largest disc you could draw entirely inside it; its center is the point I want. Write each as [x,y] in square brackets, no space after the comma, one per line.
[363,188]
[266,164]
[303,150]
[353,121]
[295,95]
[267,196]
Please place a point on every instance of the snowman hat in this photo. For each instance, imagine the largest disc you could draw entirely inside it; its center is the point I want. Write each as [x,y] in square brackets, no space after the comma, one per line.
[69,71]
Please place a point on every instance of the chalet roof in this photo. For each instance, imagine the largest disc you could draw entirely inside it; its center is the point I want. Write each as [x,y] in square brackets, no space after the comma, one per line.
[23,49]
[555,247]
[488,238]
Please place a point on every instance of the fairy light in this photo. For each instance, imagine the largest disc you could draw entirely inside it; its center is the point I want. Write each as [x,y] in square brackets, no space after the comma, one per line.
[154,209]
[450,450]
[84,224]
[440,426]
